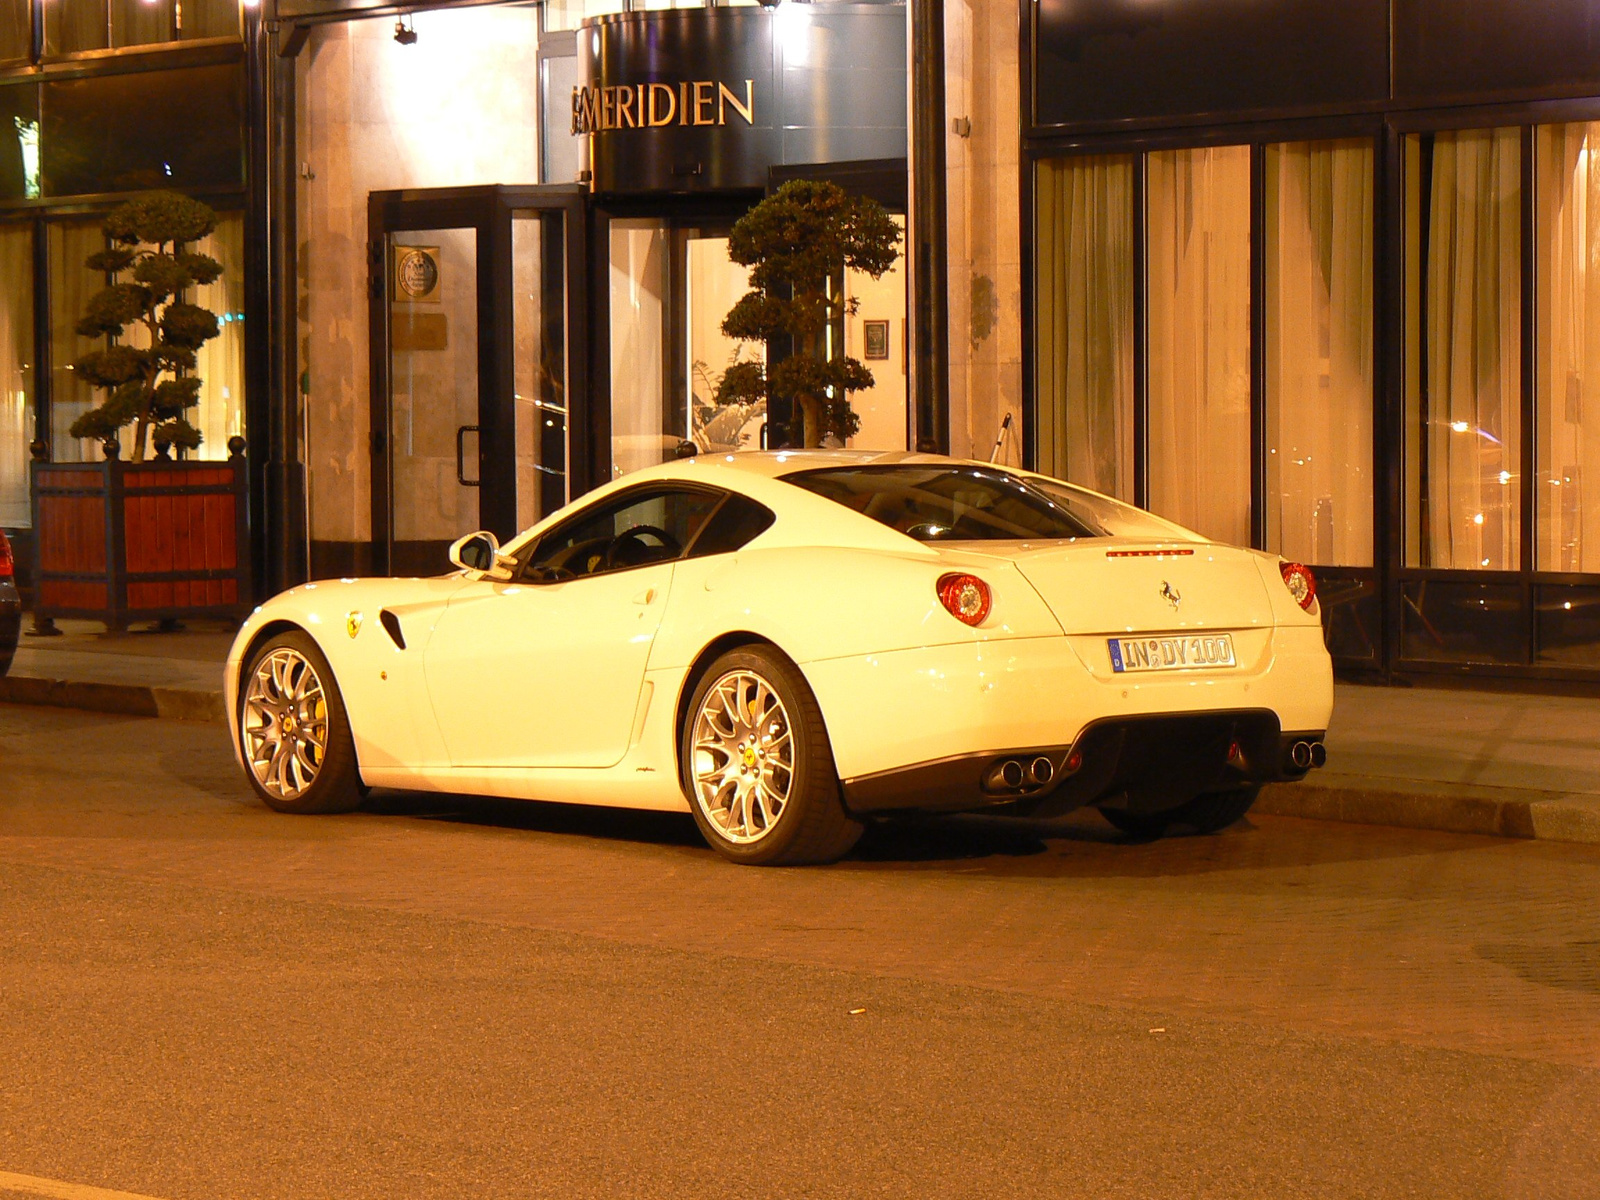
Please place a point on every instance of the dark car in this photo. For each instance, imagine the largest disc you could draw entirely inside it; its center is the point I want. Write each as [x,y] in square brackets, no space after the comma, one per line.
[10,605]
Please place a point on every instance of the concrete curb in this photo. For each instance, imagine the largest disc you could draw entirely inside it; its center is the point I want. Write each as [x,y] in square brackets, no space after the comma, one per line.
[124,699]
[1444,807]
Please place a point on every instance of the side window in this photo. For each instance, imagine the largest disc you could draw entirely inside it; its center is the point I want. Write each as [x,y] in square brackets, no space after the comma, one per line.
[738,521]
[631,530]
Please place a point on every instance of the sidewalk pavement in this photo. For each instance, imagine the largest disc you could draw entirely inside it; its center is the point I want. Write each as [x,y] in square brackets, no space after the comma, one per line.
[1508,764]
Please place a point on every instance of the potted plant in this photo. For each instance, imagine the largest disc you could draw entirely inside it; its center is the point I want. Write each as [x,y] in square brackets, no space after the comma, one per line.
[146,538]
[798,243]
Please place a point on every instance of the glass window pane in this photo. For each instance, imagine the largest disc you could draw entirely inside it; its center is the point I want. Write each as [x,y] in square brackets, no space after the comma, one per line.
[16,372]
[208,19]
[1568,351]
[79,25]
[16,41]
[1319,400]
[1567,626]
[71,285]
[1463,348]
[118,133]
[220,366]
[538,285]
[639,305]
[1084,322]
[19,142]
[875,333]
[1463,622]
[568,14]
[632,531]
[1198,259]
[142,22]
[714,285]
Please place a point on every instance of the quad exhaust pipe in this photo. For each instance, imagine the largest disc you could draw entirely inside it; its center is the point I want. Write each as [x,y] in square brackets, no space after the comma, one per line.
[1305,755]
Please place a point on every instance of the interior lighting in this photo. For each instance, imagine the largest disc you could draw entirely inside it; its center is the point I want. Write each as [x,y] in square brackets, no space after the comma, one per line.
[1505,477]
[1477,518]
[1459,426]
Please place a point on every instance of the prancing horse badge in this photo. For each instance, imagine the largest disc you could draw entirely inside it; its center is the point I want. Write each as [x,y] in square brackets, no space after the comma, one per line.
[1168,593]
[352,623]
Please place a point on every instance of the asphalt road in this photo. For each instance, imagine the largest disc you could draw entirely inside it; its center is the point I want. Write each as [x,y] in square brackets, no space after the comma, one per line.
[200,1000]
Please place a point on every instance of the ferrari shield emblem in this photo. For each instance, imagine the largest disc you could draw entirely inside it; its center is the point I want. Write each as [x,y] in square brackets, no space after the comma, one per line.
[352,623]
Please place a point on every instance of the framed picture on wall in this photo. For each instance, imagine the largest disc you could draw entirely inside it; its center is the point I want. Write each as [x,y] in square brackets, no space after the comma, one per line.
[874,339]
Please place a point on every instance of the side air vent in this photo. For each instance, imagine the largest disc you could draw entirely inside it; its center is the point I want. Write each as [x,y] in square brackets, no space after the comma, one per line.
[391,626]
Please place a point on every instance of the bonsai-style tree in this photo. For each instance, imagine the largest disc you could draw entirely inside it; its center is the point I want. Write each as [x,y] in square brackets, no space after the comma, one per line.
[798,243]
[146,384]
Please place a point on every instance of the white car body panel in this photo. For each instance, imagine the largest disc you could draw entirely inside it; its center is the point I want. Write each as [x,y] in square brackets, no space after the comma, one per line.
[571,691]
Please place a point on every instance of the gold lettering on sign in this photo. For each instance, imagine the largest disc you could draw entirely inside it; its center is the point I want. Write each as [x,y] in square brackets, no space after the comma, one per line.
[602,108]
[657,118]
[703,99]
[745,110]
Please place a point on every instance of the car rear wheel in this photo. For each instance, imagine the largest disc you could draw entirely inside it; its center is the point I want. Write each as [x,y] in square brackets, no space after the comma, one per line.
[757,767]
[1210,812]
[294,732]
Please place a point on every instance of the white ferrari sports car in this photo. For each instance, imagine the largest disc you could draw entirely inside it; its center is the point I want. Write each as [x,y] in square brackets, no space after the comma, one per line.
[787,644]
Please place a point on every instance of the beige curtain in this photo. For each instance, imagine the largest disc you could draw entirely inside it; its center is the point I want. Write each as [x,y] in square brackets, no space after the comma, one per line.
[638,318]
[1470,413]
[1319,401]
[1084,321]
[1568,420]
[1199,333]
[16,372]
[220,362]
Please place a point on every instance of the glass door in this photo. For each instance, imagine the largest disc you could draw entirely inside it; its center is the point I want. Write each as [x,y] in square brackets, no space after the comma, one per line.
[435,435]
[474,369]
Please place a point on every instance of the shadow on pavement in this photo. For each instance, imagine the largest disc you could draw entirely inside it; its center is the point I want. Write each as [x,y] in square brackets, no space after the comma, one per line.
[1080,845]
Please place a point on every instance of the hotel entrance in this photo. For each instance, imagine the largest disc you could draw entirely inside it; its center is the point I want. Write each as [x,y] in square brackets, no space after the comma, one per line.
[474,358]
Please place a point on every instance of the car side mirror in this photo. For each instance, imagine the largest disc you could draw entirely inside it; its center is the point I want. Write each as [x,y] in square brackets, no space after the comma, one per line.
[480,553]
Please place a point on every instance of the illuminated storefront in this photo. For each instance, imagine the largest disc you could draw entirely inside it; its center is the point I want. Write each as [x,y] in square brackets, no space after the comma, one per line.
[546,199]
[1318,279]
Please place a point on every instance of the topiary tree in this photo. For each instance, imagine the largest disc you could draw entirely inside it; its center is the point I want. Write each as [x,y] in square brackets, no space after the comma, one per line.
[798,243]
[151,271]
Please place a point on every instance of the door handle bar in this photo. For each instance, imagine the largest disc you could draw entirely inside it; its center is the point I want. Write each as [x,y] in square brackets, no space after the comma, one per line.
[461,456]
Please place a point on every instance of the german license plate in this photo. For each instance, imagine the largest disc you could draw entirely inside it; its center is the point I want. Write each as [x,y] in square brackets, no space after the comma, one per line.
[1186,653]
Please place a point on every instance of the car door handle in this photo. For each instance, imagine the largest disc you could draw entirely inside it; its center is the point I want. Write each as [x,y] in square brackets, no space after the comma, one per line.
[646,596]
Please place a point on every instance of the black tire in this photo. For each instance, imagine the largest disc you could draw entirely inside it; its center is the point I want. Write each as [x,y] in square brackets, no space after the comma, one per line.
[1209,812]
[335,783]
[1139,825]
[1212,812]
[811,826]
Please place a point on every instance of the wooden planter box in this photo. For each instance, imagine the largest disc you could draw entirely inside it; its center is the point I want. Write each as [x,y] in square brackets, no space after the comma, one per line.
[119,542]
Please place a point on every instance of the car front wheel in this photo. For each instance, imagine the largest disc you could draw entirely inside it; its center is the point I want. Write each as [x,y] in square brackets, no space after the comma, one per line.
[294,732]
[757,767]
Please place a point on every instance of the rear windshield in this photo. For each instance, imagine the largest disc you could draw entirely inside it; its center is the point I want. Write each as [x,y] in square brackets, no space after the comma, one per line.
[959,504]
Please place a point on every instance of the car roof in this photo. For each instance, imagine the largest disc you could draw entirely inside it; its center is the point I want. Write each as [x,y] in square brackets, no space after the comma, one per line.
[775,463]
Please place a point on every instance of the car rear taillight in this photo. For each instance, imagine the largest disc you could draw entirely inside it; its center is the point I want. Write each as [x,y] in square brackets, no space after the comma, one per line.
[965,597]
[8,568]
[1301,583]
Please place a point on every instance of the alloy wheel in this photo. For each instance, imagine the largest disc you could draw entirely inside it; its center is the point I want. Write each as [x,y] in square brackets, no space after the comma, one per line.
[743,756]
[285,723]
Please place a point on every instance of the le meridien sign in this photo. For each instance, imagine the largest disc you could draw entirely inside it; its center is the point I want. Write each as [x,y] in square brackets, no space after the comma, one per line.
[599,109]
[710,99]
